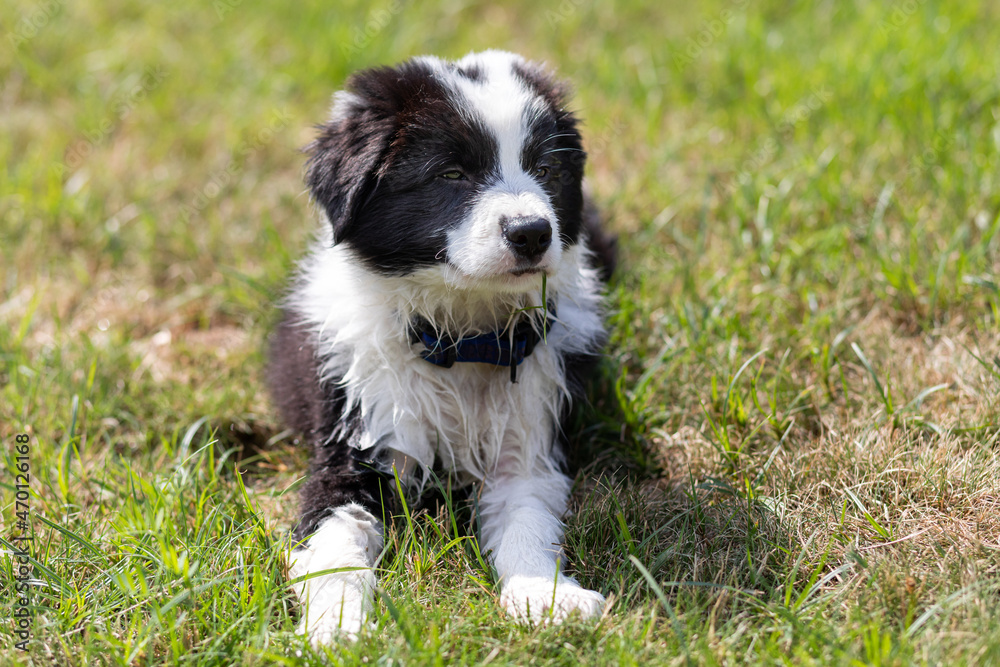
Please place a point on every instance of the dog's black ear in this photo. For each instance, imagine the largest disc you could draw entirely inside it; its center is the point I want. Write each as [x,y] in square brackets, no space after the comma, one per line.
[344,159]
[354,149]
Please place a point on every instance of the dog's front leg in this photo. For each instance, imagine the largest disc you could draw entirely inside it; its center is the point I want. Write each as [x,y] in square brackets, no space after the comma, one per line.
[521,527]
[336,604]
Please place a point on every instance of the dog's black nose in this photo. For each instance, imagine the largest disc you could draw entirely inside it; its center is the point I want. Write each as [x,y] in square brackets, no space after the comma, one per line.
[529,237]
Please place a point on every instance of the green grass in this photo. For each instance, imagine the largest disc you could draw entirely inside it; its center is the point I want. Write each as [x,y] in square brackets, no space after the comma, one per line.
[797,427]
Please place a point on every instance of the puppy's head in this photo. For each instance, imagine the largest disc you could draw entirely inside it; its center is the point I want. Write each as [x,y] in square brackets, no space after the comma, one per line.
[469,169]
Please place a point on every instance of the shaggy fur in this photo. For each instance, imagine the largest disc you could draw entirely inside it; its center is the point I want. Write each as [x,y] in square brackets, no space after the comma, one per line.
[451,195]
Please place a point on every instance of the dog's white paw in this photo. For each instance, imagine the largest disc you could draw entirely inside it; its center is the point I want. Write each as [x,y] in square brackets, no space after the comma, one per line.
[541,599]
[336,605]
[326,631]
[336,610]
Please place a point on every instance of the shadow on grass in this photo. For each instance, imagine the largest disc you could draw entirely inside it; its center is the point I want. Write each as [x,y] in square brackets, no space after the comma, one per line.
[698,538]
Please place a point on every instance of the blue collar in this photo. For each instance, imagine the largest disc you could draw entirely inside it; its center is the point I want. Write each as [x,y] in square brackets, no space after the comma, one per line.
[498,348]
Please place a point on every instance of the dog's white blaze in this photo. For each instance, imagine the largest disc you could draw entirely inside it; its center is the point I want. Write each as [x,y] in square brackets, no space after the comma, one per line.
[502,103]
[501,100]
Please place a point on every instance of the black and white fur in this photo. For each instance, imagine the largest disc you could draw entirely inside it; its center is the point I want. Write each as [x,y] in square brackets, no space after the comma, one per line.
[437,182]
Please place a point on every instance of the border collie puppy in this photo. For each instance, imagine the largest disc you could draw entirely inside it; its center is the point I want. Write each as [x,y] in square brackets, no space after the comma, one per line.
[443,321]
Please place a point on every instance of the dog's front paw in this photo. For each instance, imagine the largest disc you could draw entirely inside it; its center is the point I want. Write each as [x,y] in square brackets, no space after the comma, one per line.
[334,613]
[542,599]
[334,606]
[326,631]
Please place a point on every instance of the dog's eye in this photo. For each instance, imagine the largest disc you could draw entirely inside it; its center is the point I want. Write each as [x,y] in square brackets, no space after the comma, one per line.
[542,172]
[453,175]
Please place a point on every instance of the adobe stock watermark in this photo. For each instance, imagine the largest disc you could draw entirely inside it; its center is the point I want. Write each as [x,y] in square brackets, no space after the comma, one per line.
[122,106]
[220,178]
[33,22]
[22,616]
[565,9]
[224,8]
[930,156]
[378,20]
[797,113]
[711,30]
[609,133]
[901,13]
[361,36]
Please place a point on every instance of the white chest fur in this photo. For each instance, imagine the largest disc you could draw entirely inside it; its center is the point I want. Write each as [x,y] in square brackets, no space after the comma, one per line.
[470,417]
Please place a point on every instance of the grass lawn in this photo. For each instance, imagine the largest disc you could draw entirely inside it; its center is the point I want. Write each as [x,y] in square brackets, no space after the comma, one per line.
[792,452]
